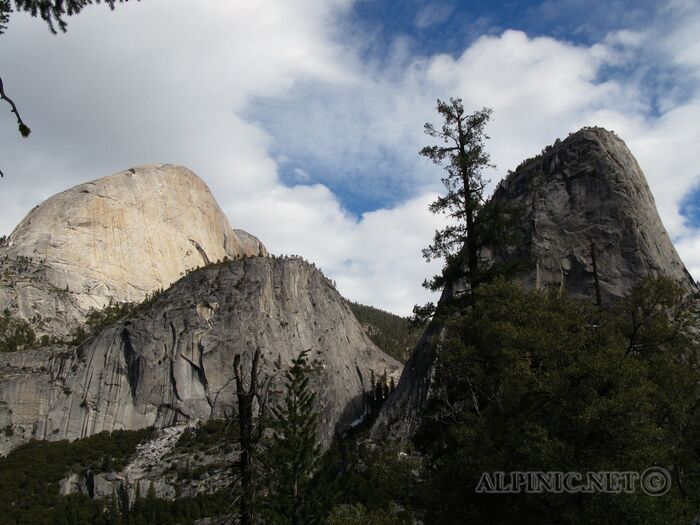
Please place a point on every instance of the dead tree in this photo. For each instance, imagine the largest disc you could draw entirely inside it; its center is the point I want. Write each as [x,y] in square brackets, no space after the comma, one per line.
[250,425]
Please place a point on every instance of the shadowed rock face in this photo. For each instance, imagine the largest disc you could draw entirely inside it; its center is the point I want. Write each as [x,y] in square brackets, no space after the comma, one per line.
[171,363]
[586,190]
[117,238]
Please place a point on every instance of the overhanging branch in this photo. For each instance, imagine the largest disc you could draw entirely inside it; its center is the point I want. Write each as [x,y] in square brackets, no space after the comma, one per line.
[23,128]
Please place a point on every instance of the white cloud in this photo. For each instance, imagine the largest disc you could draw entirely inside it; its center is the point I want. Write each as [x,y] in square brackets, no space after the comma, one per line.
[432,14]
[160,81]
[538,88]
[301,175]
[689,250]
[375,260]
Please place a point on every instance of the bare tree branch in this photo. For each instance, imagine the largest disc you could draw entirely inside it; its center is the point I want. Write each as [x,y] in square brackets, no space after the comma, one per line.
[23,128]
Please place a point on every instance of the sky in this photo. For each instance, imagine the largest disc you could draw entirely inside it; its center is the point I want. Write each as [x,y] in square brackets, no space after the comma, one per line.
[305,117]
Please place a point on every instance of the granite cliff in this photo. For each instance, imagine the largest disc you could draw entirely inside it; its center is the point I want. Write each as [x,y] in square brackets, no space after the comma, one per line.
[170,363]
[584,196]
[114,239]
[169,360]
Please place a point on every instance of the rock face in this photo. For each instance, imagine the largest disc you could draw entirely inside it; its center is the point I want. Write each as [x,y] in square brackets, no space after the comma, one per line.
[585,191]
[28,294]
[588,190]
[250,244]
[172,361]
[117,238]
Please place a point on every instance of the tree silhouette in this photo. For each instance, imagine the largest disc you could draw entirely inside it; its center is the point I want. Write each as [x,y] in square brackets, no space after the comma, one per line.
[252,401]
[53,12]
[294,452]
[464,157]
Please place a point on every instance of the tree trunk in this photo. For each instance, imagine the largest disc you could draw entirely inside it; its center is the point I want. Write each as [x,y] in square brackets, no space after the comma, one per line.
[247,507]
[247,442]
[472,255]
[470,241]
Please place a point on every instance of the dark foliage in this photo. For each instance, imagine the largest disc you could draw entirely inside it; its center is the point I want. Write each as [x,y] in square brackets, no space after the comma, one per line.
[183,511]
[394,334]
[209,436]
[53,12]
[538,381]
[369,483]
[5,7]
[29,475]
[29,491]
[292,457]
[78,509]
[380,389]
[98,320]
[15,334]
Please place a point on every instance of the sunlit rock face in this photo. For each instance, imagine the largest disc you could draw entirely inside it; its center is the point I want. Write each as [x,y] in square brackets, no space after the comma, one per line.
[583,197]
[117,239]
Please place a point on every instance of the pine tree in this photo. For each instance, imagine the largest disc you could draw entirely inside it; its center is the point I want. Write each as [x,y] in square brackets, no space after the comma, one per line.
[294,451]
[464,157]
[384,387]
[372,390]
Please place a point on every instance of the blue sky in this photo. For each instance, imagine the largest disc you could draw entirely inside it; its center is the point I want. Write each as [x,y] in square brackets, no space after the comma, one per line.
[391,34]
[305,118]
[690,207]
[449,26]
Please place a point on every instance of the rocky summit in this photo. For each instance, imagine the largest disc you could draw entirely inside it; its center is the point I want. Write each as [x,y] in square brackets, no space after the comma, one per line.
[114,239]
[582,198]
[586,196]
